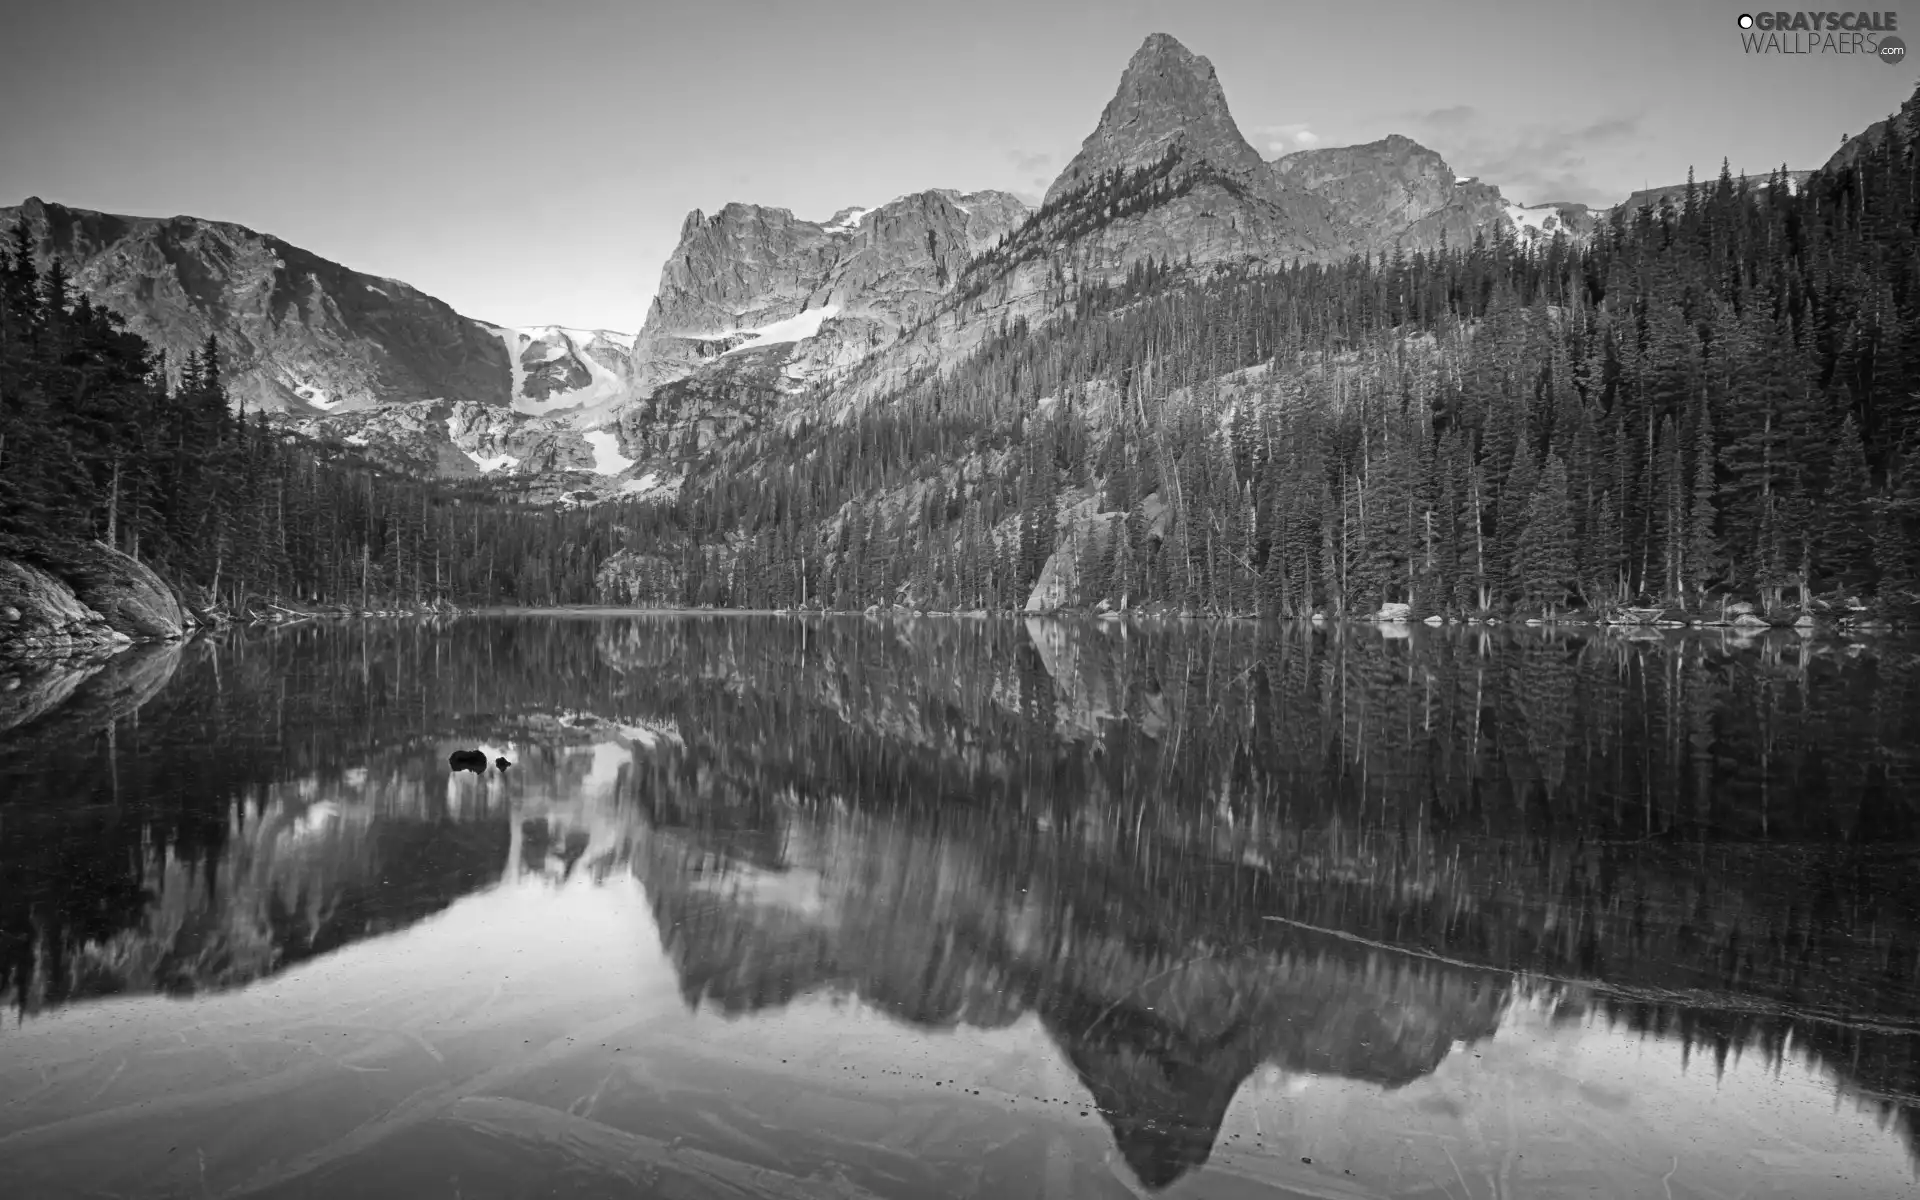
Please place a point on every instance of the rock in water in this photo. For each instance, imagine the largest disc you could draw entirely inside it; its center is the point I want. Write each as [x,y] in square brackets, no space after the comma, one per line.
[468,760]
[501,763]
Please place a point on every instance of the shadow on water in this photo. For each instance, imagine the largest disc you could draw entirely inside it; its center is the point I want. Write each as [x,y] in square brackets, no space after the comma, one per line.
[1189,856]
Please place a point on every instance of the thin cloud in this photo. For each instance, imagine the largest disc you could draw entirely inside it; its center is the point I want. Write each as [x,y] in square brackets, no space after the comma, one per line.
[1539,164]
[1027,162]
[1458,114]
[1284,139]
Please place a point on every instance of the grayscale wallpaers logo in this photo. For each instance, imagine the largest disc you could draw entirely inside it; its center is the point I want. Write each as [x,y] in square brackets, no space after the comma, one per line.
[1868,34]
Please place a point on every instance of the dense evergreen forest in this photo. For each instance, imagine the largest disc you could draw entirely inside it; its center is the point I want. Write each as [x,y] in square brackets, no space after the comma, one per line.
[1715,398]
[100,440]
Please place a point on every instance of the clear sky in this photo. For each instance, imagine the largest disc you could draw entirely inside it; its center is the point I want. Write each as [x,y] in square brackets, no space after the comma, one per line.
[532,163]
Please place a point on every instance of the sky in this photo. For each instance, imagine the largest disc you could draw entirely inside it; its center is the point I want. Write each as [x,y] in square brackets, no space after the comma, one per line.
[531,164]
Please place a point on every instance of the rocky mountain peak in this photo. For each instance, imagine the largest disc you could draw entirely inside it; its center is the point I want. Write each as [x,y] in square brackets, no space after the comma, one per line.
[1168,96]
[1380,187]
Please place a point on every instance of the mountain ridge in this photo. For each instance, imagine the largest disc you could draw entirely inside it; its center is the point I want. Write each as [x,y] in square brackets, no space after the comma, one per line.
[843,309]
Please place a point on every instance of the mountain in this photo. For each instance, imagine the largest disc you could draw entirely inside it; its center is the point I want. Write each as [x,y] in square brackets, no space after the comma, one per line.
[760,316]
[303,334]
[816,300]
[1165,176]
[749,278]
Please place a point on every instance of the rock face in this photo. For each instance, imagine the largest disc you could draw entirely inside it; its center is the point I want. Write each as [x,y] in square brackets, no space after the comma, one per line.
[302,333]
[126,592]
[1169,99]
[465,440]
[40,615]
[1872,136]
[1381,187]
[1085,535]
[1397,193]
[750,277]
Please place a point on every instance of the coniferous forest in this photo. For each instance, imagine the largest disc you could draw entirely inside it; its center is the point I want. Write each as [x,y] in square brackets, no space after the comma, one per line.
[1711,400]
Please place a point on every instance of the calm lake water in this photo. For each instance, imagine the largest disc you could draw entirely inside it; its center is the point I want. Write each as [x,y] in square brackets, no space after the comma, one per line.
[962,908]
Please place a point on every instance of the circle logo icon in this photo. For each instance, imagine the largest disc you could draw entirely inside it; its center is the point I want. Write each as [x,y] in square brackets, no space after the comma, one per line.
[1892,50]
[1746,20]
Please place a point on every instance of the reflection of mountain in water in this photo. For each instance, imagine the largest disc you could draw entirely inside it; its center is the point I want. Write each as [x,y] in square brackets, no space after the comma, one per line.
[1162,1010]
[967,822]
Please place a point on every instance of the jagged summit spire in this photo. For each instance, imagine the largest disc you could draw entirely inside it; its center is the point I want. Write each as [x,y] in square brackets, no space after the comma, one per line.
[1168,96]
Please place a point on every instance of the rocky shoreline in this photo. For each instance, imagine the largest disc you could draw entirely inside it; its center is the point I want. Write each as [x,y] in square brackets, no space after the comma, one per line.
[86,599]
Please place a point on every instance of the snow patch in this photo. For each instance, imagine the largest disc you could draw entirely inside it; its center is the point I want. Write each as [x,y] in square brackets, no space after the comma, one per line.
[318,397]
[849,220]
[607,459]
[648,485]
[357,439]
[793,329]
[581,338]
[488,465]
[1532,222]
[510,338]
[603,386]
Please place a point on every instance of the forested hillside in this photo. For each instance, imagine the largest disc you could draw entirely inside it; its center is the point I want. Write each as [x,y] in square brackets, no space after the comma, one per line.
[1712,398]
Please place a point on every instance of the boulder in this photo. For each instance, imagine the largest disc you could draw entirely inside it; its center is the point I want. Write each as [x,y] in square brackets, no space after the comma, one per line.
[1083,531]
[41,616]
[133,599]
[1393,611]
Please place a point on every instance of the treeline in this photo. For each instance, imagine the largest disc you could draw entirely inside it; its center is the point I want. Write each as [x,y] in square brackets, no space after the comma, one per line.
[1713,398]
[100,440]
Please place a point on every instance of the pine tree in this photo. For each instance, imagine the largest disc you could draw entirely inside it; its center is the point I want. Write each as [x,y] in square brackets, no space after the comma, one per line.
[1544,552]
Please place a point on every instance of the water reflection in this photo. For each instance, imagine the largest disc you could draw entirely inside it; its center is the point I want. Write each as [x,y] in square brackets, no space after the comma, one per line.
[1459,913]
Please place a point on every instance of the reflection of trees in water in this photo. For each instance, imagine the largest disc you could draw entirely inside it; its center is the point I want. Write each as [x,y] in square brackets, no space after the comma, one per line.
[1675,813]
[1674,817]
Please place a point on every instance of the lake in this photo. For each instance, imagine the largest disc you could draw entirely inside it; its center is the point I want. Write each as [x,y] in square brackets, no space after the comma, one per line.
[837,907]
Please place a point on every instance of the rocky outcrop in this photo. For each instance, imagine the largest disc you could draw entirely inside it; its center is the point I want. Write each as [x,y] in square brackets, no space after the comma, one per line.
[628,577]
[1873,136]
[589,451]
[1397,193]
[84,599]
[750,278]
[1380,188]
[1085,535]
[1168,99]
[134,599]
[40,615]
[300,333]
